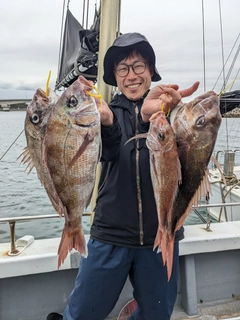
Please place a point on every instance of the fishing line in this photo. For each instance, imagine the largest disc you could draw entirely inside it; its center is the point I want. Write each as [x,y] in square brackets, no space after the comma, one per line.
[12,144]
[98,96]
[162,106]
[47,83]
[224,90]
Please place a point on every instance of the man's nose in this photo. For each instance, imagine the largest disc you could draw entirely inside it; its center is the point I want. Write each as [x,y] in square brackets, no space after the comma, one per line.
[131,73]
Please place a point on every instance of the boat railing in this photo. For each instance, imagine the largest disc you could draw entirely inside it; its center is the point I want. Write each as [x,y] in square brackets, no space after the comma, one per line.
[12,222]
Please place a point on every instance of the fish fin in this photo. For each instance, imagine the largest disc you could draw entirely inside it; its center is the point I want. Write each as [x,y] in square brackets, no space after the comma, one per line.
[179,172]
[88,201]
[170,254]
[71,239]
[87,139]
[202,191]
[165,242]
[164,246]
[158,240]
[26,158]
[138,136]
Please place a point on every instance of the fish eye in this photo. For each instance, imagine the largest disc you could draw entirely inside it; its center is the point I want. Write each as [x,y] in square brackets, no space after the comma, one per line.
[35,118]
[200,121]
[161,136]
[72,102]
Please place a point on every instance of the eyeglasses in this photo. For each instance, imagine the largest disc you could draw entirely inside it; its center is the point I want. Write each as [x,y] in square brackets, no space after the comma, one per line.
[138,67]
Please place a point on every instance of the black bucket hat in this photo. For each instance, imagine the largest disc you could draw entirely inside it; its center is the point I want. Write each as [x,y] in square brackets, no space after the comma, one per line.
[127,41]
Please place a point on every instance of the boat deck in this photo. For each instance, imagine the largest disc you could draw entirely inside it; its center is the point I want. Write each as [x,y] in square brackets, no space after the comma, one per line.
[227,311]
[208,288]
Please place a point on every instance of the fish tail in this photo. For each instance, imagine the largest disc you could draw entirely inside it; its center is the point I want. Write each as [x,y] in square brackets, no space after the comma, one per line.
[167,246]
[164,246]
[71,239]
[169,256]
[158,240]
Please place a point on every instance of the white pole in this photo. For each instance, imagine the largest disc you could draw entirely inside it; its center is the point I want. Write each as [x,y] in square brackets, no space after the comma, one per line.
[108,32]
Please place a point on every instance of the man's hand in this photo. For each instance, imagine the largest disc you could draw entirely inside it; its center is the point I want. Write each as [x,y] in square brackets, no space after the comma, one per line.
[165,98]
[105,113]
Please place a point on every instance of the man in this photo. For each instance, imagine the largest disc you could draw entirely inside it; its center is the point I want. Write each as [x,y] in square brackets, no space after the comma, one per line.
[125,221]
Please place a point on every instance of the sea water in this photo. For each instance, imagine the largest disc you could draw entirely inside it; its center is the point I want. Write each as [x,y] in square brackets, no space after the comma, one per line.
[23,195]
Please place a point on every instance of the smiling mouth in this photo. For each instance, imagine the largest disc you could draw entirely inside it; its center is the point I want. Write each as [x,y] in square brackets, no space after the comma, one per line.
[133,86]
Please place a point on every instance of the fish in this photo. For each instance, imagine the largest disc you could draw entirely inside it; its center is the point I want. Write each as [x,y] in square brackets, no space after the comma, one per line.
[37,114]
[71,152]
[166,176]
[165,171]
[196,126]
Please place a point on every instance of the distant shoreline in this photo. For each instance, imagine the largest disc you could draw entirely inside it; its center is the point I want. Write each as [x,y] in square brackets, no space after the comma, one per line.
[235,113]
[16,108]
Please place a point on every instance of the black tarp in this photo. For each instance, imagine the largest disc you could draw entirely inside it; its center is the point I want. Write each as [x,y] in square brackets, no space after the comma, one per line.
[79,52]
[229,101]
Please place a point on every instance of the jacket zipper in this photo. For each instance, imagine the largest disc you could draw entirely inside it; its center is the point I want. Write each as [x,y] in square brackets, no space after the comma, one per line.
[139,198]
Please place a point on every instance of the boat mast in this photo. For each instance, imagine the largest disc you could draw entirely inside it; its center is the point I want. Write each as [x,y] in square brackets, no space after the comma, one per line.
[108,31]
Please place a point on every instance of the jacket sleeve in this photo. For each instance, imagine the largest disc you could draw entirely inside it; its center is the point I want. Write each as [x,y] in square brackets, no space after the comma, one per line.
[111,137]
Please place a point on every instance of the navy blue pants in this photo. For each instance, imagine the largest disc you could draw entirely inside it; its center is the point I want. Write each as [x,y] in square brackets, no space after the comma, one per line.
[103,273]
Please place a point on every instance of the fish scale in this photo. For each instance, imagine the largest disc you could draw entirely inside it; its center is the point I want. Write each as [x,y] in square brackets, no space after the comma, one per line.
[196,126]
[166,175]
[64,147]
[72,146]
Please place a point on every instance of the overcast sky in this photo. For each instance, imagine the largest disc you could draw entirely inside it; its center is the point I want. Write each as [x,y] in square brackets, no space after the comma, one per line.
[30,37]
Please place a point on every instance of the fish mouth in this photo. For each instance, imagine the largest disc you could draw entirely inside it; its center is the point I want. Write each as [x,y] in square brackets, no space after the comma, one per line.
[89,124]
[207,95]
[87,118]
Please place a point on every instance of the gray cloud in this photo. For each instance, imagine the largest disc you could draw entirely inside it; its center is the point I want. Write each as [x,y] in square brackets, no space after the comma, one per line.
[30,36]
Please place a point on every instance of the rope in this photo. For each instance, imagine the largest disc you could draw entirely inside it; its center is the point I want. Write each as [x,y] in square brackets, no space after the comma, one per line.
[233,181]
[11,144]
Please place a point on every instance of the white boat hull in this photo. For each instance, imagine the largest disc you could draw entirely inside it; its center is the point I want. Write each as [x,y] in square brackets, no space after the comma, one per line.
[209,274]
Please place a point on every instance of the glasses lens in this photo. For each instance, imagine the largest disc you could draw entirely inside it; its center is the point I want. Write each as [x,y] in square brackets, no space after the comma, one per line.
[122,70]
[139,67]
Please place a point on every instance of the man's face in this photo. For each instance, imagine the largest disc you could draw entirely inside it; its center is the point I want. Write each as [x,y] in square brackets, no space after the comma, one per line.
[133,85]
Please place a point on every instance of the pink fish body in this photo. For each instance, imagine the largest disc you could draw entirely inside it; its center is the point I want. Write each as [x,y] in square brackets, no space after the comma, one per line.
[166,176]
[72,148]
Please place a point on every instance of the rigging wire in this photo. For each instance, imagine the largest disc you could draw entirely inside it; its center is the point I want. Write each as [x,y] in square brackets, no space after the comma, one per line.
[87,14]
[231,67]
[11,145]
[235,78]
[223,70]
[61,36]
[226,62]
[204,58]
[83,15]
[221,32]
[119,18]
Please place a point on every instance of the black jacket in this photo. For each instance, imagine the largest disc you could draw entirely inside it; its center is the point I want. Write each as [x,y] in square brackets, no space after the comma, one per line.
[125,212]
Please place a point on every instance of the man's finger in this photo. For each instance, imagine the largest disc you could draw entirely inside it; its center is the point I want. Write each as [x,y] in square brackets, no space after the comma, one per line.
[189,91]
